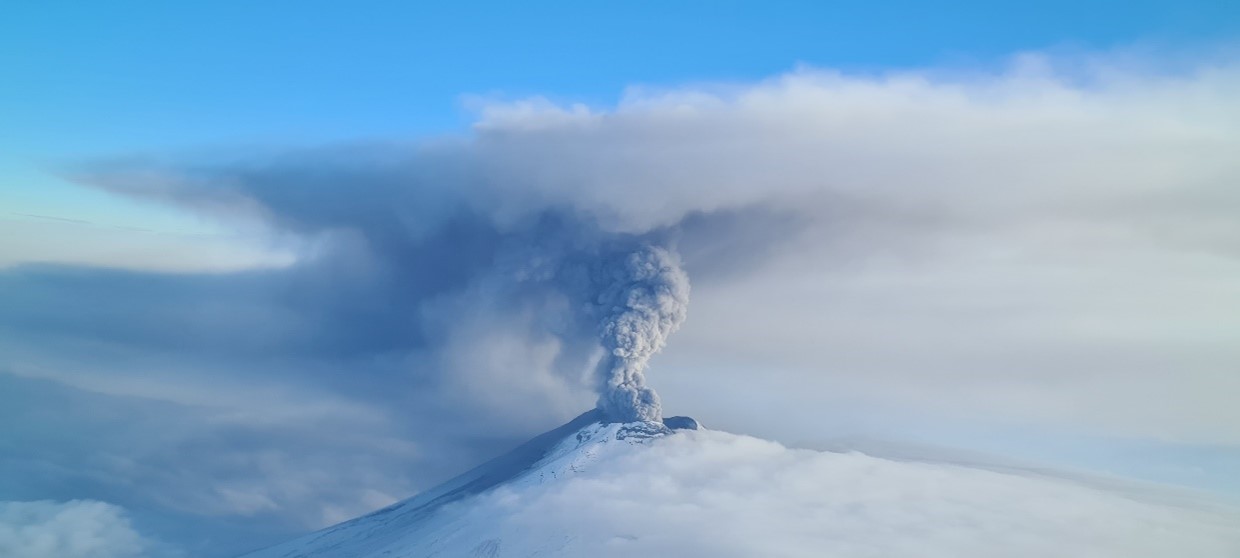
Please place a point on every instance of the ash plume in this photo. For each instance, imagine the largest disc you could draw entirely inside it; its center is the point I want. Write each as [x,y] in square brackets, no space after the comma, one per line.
[643,300]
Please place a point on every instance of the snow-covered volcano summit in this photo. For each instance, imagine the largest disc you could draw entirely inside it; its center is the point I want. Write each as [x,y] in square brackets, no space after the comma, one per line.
[597,489]
[428,524]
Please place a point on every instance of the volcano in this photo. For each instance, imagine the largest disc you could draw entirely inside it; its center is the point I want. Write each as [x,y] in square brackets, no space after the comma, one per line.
[421,526]
[672,488]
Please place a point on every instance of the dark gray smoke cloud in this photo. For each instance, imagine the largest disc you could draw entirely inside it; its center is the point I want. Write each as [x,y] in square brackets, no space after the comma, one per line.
[420,249]
[643,300]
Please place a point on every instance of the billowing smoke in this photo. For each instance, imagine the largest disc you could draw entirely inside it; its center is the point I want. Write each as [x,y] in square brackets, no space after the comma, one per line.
[643,300]
[507,298]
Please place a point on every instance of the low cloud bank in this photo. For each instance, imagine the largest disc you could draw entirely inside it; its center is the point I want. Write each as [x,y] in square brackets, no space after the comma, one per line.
[717,494]
[74,529]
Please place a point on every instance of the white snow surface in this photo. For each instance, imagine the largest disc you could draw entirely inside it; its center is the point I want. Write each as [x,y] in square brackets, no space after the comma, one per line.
[641,489]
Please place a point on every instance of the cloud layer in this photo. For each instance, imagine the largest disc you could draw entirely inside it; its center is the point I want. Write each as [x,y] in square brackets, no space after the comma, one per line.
[1046,221]
[716,494]
[710,493]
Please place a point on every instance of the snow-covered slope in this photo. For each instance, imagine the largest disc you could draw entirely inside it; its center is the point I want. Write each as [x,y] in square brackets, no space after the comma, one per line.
[644,489]
[420,526]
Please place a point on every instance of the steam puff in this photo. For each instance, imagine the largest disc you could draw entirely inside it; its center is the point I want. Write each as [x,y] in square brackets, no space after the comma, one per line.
[643,301]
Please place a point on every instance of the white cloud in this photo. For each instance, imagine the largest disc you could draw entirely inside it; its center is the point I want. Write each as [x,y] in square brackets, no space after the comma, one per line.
[717,494]
[74,529]
[980,149]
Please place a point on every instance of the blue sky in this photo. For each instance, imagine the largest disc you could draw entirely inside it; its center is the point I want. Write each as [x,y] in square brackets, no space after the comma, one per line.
[130,75]
[283,238]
